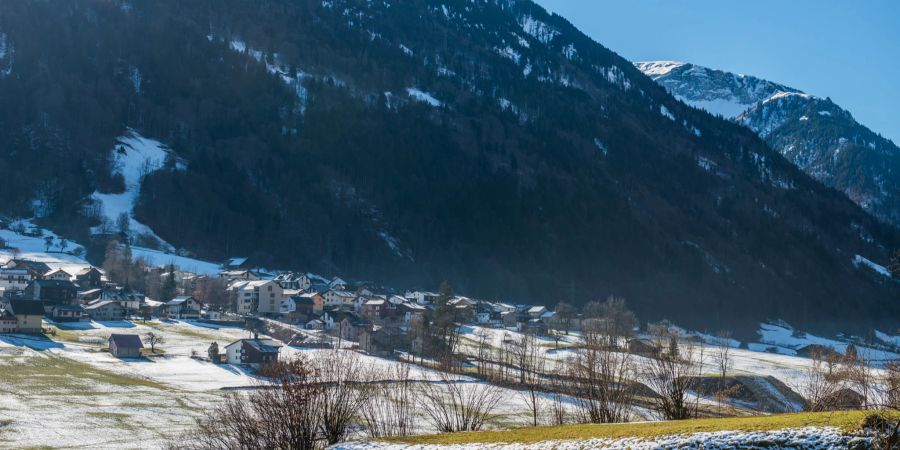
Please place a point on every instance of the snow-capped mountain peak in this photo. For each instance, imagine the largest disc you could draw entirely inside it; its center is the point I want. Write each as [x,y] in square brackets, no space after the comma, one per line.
[655,69]
[815,134]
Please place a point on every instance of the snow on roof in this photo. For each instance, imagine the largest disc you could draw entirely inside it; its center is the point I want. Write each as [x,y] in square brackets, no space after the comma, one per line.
[179,300]
[343,293]
[263,345]
[236,261]
[100,304]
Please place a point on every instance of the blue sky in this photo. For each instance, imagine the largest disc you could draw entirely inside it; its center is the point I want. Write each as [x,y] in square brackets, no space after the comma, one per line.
[846,50]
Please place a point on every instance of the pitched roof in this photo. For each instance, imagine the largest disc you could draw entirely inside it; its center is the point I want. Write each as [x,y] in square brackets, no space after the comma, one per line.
[127,340]
[56,271]
[263,345]
[86,271]
[236,261]
[101,304]
[178,300]
[26,307]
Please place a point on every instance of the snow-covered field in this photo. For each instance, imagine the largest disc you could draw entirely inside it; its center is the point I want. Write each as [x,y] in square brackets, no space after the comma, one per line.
[792,438]
[58,391]
[62,391]
[34,248]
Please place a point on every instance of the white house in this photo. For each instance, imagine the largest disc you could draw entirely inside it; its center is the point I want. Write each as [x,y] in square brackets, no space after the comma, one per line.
[58,274]
[266,295]
[252,351]
[339,298]
[14,279]
[537,311]
[183,307]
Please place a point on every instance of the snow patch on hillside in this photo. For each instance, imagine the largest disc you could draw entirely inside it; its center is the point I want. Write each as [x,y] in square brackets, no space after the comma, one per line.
[35,248]
[665,112]
[423,96]
[135,157]
[878,268]
[158,258]
[726,107]
[601,146]
[6,55]
[537,29]
[785,336]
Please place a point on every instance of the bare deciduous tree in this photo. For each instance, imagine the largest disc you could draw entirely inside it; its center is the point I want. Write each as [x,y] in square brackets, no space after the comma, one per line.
[821,382]
[154,339]
[604,379]
[673,375]
[347,387]
[531,362]
[451,405]
[389,411]
[722,352]
[309,403]
[284,416]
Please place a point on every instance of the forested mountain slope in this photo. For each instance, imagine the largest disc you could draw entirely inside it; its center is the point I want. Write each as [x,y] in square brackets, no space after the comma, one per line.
[485,142]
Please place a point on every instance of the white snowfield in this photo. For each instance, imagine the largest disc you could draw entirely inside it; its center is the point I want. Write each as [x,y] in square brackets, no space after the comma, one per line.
[809,438]
[34,249]
[135,157]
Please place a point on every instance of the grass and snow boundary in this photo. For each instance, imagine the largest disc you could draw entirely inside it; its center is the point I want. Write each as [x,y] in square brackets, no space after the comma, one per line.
[805,438]
[805,430]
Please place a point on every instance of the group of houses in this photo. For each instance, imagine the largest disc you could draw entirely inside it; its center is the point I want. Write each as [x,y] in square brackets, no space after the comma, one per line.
[32,290]
[375,317]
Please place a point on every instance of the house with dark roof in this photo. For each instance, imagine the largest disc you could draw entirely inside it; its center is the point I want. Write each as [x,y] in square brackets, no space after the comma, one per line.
[182,307]
[352,325]
[89,278]
[8,322]
[53,292]
[66,313]
[29,315]
[37,269]
[254,352]
[297,309]
[105,310]
[125,345]
[383,341]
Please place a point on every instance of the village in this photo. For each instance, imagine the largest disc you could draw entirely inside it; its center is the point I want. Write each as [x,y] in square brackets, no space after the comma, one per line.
[376,320]
[132,329]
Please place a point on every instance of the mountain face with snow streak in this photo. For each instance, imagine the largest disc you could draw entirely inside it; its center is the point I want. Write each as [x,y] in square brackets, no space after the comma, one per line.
[489,143]
[820,137]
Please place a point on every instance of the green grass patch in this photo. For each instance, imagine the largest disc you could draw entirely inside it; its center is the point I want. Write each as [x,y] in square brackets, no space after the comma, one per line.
[845,420]
[56,375]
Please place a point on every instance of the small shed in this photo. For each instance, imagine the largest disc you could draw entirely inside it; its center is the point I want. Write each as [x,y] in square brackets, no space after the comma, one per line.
[125,345]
